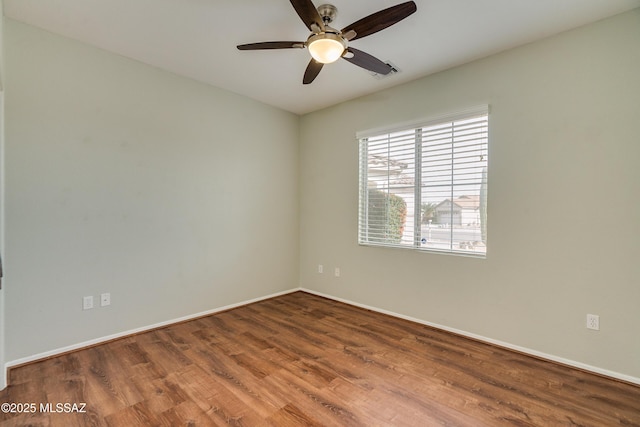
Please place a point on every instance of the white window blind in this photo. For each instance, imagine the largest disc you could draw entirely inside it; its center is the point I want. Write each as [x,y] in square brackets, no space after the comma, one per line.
[425,186]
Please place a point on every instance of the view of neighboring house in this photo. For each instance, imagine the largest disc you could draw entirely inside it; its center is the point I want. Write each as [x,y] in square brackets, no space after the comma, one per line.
[465,210]
[380,166]
[461,213]
[395,177]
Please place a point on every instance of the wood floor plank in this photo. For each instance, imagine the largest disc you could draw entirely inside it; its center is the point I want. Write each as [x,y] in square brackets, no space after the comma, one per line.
[291,416]
[302,360]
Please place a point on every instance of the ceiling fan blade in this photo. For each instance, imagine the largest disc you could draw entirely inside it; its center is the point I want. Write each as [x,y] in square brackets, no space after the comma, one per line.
[312,71]
[368,62]
[309,14]
[381,20]
[271,45]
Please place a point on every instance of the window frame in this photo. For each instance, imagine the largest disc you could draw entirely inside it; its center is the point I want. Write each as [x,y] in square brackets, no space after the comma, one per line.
[418,128]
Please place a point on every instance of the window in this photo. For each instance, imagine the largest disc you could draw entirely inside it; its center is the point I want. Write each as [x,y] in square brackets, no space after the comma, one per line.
[425,186]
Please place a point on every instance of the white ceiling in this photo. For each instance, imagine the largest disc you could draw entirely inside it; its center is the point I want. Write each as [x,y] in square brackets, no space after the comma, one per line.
[198,38]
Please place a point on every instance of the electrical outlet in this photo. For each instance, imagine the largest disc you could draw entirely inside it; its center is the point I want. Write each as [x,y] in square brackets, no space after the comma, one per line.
[87,303]
[337,272]
[593,322]
[320,269]
[105,299]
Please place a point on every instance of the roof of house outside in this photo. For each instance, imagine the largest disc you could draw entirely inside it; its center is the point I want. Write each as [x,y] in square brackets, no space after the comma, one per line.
[464,202]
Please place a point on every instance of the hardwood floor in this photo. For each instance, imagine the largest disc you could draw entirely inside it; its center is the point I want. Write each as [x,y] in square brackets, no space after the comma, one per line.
[301,360]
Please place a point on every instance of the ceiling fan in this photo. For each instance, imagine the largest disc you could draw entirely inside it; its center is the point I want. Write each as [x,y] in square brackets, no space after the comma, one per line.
[327,45]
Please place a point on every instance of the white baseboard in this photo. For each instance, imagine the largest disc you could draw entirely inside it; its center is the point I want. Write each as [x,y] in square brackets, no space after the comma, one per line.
[538,354]
[550,357]
[107,338]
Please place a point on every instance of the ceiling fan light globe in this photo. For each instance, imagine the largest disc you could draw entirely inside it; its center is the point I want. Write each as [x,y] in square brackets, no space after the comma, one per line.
[326,48]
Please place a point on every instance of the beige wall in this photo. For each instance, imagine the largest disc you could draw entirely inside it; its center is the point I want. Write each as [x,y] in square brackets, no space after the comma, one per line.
[564,212]
[173,196]
[3,378]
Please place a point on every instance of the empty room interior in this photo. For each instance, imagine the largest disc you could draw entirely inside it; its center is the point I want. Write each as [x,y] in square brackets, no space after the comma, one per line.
[201,227]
